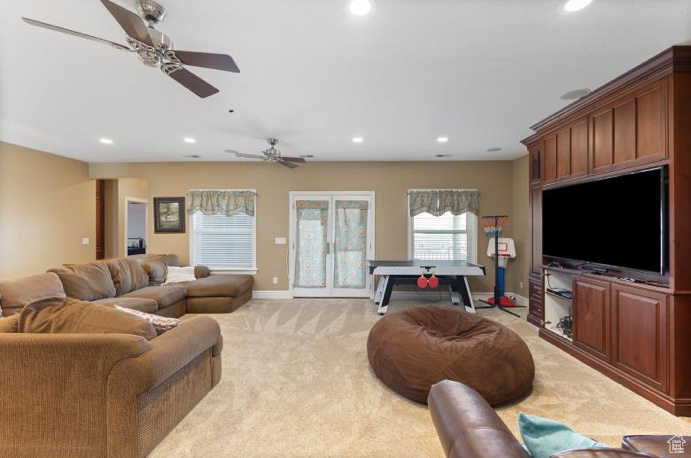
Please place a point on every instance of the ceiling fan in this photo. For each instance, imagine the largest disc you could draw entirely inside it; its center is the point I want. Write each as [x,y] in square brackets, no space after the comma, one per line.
[154,48]
[272,155]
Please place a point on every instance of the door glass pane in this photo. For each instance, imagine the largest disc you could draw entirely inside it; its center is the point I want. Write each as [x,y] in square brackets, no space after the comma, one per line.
[310,244]
[350,245]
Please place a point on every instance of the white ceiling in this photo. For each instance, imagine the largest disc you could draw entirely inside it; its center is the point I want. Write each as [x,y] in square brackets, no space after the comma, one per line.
[478,71]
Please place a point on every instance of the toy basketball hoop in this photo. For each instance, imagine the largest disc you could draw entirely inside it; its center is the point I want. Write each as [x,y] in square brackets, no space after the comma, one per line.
[505,249]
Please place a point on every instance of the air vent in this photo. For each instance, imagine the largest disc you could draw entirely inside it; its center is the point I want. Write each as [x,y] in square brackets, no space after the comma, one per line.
[192,156]
[307,156]
[444,155]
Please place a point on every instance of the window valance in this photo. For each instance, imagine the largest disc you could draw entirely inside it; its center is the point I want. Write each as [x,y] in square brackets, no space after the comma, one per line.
[221,202]
[438,202]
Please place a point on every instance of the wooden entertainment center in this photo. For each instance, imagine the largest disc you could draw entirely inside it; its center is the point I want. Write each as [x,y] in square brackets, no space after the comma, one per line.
[638,334]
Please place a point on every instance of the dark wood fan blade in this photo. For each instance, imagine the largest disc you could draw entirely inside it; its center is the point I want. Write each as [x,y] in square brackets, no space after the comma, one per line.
[208,60]
[74,33]
[299,160]
[290,165]
[249,156]
[133,25]
[193,82]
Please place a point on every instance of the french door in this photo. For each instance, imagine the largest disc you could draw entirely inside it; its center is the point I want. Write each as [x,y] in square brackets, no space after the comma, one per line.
[331,239]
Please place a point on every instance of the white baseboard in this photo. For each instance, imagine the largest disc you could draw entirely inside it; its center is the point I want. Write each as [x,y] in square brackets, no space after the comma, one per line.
[272,294]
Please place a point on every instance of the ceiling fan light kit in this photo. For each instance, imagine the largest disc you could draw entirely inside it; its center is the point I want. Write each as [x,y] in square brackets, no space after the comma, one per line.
[154,48]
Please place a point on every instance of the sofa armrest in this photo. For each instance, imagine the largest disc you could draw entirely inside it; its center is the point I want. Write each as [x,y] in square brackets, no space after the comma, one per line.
[201,272]
[467,425]
[169,353]
[52,380]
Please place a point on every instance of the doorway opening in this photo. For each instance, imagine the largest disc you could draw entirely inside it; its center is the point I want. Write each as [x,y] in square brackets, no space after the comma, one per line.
[136,221]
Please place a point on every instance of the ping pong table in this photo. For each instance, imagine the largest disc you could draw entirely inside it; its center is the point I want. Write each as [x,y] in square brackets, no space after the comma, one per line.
[452,274]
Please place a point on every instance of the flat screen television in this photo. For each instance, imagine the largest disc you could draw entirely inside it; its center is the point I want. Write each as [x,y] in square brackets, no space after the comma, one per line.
[618,222]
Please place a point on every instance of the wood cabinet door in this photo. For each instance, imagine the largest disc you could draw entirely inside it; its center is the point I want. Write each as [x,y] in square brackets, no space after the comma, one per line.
[591,317]
[550,150]
[536,230]
[639,334]
[564,153]
[579,148]
[601,140]
[631,130]
[536,166]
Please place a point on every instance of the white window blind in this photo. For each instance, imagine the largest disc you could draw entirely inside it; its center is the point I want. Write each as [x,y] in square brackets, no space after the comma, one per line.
[223,242]
[445,237]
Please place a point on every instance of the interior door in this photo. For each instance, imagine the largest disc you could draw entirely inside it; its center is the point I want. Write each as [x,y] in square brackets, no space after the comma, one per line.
[331,242]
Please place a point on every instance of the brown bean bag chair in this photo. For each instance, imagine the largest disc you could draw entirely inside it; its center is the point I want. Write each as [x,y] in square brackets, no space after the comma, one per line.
[413,349]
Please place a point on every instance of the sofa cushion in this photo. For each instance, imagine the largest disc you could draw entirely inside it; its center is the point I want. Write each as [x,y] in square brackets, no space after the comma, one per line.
[9,324]
[165,296]
[135,303]
[86,282]
[71,316]
[219,286]
[128,275]
[156,269]
[17,293]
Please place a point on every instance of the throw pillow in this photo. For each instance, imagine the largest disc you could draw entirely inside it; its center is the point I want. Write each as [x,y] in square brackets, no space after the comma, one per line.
[544,438]
[160,323]
[19,292]
[180,275]
[9,324]
[71,316]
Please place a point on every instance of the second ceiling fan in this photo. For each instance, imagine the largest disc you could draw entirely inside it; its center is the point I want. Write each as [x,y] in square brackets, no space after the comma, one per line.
[154,48]
[272,155]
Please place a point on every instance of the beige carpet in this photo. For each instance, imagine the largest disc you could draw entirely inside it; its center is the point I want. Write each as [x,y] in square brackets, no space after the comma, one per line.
[296,383]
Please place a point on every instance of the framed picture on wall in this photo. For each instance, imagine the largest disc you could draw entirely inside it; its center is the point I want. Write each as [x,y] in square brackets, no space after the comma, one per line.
[169,215]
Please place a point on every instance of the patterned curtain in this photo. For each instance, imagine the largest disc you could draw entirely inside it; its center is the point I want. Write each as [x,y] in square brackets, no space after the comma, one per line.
[221,202]
[439,202]
[310,249]
[350,246]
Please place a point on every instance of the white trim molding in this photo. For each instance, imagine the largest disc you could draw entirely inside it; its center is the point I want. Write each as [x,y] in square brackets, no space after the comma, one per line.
[285,294]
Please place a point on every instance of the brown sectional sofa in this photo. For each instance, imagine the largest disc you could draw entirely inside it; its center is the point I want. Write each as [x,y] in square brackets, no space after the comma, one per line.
[115,394]
[135,283]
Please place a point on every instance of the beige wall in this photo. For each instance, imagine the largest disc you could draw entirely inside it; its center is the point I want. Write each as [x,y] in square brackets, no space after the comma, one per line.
[47,205]
[519,269]
[389,180]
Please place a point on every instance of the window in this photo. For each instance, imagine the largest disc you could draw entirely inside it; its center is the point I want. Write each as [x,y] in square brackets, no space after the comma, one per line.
[445,237]
[224,242]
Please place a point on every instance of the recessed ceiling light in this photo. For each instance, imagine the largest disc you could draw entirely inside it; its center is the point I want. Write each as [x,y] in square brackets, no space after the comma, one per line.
[360,7]
[358,139]
[443,139]
[106,141]
[576,5]
[190,140]
[494,150]
[576,94]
